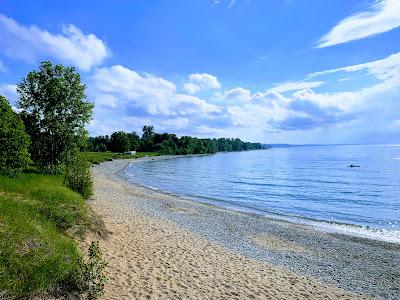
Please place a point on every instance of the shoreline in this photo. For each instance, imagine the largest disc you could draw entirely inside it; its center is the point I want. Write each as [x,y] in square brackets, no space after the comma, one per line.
[331,260]
[335,227]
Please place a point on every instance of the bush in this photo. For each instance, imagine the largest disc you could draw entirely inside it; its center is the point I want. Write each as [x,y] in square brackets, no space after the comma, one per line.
[78,175]
[14,141]
[93,272]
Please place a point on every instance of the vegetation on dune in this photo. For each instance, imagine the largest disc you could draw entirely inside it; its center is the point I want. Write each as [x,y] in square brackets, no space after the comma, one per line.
[38,216]
[78,176]
[14,141]
[166,143]
[93,272]
[44,208]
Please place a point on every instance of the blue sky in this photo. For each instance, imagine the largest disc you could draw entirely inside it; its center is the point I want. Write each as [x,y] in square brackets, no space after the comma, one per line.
[278,71]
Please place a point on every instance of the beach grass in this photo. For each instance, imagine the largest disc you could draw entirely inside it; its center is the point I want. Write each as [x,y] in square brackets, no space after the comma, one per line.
[99,157]
[38,217]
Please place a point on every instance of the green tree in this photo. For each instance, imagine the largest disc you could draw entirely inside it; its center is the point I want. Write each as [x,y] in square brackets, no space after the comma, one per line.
[55,113]
[148,138]
[120,142]
[14,141]
[134,141]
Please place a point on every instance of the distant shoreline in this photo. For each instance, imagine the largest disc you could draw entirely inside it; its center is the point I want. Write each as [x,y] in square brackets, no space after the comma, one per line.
[298,248]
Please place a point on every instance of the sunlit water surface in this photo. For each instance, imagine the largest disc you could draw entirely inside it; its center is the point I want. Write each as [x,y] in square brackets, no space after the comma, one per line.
[307,184]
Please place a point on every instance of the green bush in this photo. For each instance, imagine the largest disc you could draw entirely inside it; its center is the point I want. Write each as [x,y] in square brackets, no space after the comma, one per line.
[78,175]
[93,276]
[14,141]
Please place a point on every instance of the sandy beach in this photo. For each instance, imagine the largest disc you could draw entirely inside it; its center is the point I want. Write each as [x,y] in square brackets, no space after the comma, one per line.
[164,247]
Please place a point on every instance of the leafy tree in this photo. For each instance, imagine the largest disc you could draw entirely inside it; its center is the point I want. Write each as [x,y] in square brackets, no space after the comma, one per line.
[14,141]
[99,144]
[134,141]
[55,113]
[120,142]
[147,138]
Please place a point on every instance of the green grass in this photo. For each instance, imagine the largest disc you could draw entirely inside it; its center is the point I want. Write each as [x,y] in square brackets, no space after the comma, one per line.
[99,157]
[38,214]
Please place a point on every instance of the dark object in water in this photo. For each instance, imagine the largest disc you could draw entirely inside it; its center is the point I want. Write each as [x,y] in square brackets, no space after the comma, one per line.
[353,166]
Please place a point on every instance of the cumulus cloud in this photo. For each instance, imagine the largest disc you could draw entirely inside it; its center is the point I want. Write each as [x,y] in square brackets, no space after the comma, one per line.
[153,95]
[295,86]
[191,88]
[127,97]
[205,81]
[33,43]
[344,101]
[380,17]
[237,94]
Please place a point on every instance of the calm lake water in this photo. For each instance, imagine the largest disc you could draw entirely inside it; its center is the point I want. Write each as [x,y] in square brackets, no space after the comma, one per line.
[306,184]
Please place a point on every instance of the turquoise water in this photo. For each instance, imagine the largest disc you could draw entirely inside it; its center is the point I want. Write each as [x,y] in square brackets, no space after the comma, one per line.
[307,184]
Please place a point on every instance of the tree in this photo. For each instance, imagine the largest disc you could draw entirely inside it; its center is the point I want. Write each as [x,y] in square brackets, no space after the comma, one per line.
[120,142]
[55,113]
[134,141]
[148,138]
[14,141]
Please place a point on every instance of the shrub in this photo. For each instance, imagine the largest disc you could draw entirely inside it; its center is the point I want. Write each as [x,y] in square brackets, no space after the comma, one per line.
[78,175]
[14,141]
[93,277]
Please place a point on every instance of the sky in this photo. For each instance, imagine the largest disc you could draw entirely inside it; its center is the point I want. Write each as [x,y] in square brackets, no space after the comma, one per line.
[271,71]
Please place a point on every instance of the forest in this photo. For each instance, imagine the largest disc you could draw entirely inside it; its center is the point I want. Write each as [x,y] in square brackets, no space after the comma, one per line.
[166,143]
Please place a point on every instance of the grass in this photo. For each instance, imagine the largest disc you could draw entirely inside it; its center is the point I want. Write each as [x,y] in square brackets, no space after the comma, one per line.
[99,157]
[38,216]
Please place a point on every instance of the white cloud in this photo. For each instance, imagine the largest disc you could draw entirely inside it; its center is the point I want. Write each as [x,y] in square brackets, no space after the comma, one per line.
[191,88]
[154,95]
[382,69]
[231,3]
[9,91]
[237,94]
[295,86]
[380,17]
[32,43]
[205,81]
[132,98]
[149,92]
[106,100]
[260,110]
[344,101]
[186,105]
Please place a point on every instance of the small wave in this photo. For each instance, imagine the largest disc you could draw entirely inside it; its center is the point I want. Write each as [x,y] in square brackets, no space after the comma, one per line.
[391,236]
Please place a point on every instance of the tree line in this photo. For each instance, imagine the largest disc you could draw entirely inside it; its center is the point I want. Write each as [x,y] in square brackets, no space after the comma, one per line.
[166,143]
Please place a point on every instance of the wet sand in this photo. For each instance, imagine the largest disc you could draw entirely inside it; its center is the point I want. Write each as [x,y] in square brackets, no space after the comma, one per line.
[164,247]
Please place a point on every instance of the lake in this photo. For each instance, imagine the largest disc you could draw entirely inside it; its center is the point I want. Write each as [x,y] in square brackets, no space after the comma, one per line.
[307,184]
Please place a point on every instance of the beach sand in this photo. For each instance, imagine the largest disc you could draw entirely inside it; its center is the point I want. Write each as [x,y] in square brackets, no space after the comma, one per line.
[151,256]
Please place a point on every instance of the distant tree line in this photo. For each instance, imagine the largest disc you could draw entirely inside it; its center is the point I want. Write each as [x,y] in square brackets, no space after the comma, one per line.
[166,143]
